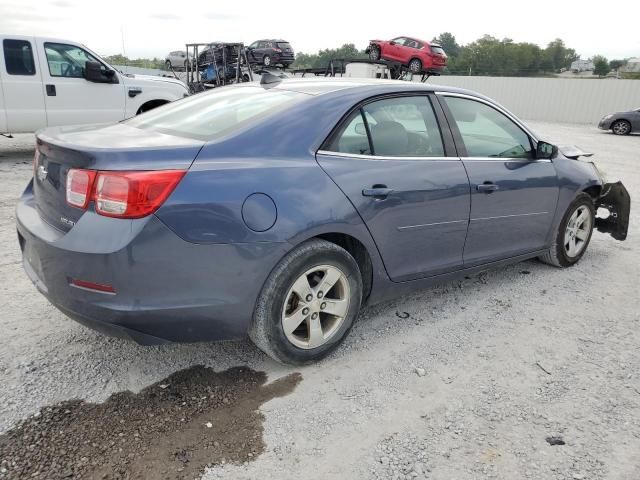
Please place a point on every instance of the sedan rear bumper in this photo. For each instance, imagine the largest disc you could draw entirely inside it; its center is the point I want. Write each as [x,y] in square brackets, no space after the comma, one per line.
[166,289]
[615,198]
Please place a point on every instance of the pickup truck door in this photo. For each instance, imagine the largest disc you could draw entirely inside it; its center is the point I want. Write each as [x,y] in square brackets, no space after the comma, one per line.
[71,99]
[21,87]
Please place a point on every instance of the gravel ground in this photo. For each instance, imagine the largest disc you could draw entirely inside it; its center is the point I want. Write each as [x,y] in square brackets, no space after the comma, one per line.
[522,372]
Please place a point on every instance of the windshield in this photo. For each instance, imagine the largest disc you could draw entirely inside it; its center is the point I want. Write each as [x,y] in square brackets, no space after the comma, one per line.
[213,114]
[437,50]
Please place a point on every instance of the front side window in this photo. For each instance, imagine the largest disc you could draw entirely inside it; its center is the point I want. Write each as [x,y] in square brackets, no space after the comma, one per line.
[18,57]
[219,112]
[486,132]
[398,127]
[67,60]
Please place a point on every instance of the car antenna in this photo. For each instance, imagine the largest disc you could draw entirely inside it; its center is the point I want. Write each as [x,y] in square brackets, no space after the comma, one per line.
[269,79]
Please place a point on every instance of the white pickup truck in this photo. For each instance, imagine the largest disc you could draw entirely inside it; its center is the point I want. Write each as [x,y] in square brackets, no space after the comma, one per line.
[46,82]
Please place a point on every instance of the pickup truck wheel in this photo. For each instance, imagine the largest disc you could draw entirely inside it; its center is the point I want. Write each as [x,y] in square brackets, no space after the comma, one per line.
[573,235]
[621,127]
[374,53]
[308,303]
[415,65]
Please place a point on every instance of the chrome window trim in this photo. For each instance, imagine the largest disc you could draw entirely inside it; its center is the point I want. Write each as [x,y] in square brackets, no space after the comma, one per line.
[493,105]
[380,157]
[506,159]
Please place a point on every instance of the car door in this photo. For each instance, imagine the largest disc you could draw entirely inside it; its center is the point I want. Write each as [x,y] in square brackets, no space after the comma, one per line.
[24,105]
[389,158]
[70,99]
[513,194]
[635,120]
[251,52]
[407,51]
[393,49]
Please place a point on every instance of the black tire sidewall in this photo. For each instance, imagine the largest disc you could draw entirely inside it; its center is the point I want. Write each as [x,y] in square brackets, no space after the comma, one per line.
[374,48]
[284,349]
[563,258]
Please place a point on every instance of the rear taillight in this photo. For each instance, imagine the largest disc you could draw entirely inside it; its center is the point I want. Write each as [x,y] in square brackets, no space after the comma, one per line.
[279,50]
[79,187]
[122,194]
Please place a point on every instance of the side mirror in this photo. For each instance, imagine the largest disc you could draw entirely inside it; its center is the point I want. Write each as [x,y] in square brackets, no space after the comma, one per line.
[392,42]
[360,129]
[545,150]
[93,72]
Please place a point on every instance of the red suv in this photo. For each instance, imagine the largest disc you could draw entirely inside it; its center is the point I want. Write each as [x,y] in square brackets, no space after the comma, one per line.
[420,56]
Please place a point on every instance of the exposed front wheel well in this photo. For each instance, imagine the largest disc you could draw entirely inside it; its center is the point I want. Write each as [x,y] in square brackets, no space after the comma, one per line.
[359,252]
[150,105]
[593,191]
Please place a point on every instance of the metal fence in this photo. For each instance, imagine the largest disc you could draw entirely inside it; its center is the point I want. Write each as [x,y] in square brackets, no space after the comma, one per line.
[554,99]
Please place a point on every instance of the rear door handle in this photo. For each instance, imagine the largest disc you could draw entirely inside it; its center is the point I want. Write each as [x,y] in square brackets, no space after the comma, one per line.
[377,191]
[51,90]
[487,187]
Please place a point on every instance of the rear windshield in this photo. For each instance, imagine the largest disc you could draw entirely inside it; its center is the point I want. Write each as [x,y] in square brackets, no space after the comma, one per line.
[283,45]
[437,50]
[214,114]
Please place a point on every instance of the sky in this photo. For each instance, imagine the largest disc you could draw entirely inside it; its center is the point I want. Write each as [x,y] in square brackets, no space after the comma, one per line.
[153,28]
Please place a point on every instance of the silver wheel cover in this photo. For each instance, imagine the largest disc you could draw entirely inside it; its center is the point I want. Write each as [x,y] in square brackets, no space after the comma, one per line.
[577,232]
[316,306]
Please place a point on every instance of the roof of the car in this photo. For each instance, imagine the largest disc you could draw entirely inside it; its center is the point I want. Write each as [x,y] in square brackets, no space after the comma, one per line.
[320,86]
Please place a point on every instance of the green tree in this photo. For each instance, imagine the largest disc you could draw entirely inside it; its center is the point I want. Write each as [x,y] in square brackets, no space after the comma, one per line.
[448,43]
[616,64]
[600,65]
[323,57]
[557,56]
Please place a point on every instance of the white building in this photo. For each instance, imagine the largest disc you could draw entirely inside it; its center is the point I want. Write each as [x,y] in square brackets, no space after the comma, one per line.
[581,66]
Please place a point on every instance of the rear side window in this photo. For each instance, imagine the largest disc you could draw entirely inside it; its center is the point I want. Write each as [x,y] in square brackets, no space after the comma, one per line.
[398,127]
[214,114]
[18,57]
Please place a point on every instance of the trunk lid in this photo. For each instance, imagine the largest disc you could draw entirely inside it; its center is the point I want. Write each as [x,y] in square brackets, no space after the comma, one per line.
[116,147]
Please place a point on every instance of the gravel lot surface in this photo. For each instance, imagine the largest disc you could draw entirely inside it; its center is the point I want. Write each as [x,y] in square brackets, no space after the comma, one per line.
[522,372]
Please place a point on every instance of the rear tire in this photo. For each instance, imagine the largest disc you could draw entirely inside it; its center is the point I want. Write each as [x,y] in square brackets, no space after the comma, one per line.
[415,66]
[266,61]
[299,328]
[168,64]
[621,127]
[573,235]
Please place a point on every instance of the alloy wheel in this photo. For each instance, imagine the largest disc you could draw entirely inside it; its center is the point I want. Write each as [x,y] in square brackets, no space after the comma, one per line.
[577,231]
[621,128]
[374,54]
[316,306]
[415,66]
[266,60]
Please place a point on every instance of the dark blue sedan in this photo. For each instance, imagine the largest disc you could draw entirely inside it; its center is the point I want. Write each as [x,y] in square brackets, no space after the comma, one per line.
[278,210]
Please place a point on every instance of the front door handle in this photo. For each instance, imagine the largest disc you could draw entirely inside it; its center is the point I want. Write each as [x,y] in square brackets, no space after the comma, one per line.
[487,187]
[51,90]
[377,191]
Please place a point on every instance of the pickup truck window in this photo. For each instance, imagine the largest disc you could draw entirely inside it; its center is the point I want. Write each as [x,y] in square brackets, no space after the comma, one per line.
[18,57]
[67,60]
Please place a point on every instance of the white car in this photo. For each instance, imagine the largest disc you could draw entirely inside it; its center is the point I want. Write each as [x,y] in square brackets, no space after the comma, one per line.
[177,59]
[47,82]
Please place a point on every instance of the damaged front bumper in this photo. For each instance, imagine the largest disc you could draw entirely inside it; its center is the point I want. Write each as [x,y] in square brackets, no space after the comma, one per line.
[617,201]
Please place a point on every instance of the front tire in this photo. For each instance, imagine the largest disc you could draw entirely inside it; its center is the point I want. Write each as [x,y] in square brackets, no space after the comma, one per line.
[621,127]
[573,235]
[374,53]
[308,303]
[167,64]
